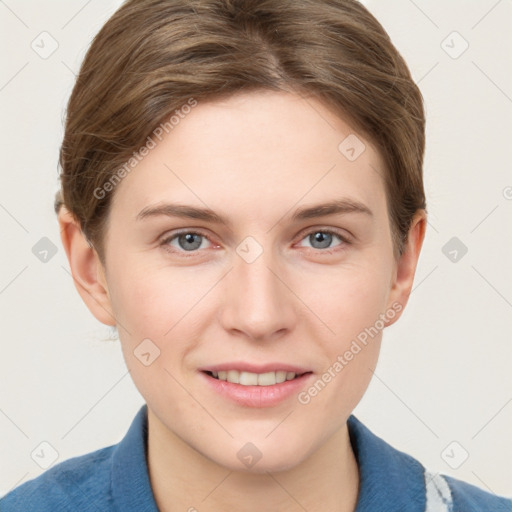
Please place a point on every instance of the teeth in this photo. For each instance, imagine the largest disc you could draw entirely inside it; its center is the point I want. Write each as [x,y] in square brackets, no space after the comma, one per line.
[246,378]
[254,379]
[233,376]
[267,379]
[281,376]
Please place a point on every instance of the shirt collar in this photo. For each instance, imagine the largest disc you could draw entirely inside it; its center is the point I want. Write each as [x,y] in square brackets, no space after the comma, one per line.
[131,488]
[389,479]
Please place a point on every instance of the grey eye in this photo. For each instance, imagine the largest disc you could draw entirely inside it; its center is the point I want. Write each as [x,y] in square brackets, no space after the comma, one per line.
[188,241]
[320,239]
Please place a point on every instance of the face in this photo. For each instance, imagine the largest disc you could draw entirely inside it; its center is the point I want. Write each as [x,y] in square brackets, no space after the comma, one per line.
[222,264]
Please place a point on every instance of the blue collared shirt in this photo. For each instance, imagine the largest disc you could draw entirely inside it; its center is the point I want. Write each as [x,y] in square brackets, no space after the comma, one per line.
[115,479]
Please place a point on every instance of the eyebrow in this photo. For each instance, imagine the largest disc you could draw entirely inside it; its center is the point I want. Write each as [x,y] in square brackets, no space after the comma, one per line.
[341,206]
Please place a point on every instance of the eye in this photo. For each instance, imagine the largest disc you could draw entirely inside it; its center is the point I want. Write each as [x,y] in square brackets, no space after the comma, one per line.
[188,241]
[323,239]
[192,241]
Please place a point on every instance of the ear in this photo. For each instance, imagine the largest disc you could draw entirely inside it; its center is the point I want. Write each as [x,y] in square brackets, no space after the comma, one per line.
[406,265]
[86,268]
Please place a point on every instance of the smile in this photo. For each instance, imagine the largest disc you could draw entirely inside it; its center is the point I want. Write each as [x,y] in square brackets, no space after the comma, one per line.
[254,379]
[261,387]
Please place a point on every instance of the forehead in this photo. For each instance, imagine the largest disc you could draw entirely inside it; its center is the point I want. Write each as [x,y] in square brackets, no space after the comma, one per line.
[256,153]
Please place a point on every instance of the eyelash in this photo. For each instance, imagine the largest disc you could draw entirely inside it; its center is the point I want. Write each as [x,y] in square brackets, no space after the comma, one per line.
[329,250]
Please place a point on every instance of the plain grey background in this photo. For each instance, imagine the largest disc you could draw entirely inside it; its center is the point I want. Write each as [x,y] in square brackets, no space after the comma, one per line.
[443,387]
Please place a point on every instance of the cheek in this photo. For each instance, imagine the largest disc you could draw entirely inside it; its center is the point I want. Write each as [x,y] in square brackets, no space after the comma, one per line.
[153,307]
[169,307]
[347,299]
[150,301]
[351,302]
[163,302]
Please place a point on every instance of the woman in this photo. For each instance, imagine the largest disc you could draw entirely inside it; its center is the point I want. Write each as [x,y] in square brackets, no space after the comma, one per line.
[242,198]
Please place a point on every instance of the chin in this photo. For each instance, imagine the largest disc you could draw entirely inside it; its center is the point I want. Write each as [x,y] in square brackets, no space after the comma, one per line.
[260,457]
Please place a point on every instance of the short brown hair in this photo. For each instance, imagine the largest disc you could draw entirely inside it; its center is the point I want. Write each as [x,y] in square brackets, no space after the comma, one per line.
[152,56]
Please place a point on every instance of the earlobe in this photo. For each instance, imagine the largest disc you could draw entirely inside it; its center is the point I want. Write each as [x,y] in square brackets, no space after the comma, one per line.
[406,264]
[86,268]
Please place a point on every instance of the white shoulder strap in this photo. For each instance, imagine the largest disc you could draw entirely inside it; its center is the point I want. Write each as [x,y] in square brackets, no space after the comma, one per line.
[438,494]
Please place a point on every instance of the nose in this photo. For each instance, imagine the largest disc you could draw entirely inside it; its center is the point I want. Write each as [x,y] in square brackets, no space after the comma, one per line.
[258,303]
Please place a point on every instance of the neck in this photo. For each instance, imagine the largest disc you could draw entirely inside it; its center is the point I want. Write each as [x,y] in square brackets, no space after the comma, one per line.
[184,479]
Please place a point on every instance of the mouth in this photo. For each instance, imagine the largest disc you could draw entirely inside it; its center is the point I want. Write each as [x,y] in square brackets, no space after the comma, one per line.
[245,378]
[250,384]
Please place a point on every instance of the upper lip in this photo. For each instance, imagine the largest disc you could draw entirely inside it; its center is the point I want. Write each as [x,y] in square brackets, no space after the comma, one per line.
[255,368]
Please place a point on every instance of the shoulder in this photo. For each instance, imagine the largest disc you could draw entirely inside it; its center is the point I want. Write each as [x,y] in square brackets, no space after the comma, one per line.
[80,483]
[394,481]
[464,497]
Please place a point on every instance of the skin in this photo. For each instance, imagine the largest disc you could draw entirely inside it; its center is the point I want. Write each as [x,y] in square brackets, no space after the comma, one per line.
[254,158]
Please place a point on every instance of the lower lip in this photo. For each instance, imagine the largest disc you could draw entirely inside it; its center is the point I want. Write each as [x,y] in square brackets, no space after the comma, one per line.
[258,396]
